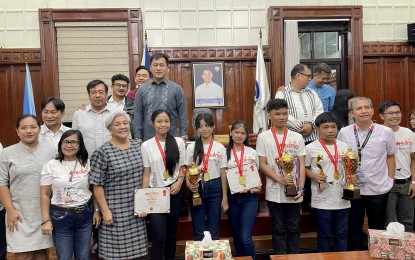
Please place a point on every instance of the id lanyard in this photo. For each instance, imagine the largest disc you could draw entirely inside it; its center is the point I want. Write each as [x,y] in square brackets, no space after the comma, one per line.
[360,148]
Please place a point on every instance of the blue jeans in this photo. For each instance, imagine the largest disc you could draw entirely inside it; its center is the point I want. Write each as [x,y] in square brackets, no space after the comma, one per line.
[285,220]
[72,233]
[207,216]
[331,225]
[242,214]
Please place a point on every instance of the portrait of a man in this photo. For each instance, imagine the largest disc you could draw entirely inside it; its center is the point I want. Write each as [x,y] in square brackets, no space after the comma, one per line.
[208,84]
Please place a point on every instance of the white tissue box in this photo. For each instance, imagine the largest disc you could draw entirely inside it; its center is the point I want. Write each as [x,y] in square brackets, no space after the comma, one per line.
[220,251]
[391,246]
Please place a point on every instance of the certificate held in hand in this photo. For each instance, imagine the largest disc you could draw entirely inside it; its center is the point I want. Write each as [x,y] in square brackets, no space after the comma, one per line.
[248,180]
[152,200]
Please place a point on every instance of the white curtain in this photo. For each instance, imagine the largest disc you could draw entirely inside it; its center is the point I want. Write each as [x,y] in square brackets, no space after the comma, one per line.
[291,48]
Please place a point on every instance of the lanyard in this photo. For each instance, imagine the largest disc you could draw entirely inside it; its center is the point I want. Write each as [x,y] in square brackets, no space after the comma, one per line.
[163,154]
[206,157]
[71,173]
[239,162]
[280,147]
[334,159]
[360,148]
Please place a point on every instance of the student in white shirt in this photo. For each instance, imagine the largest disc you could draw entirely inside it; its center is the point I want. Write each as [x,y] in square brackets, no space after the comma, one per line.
[271,146]
[210,158]
[164,161]
[330,209]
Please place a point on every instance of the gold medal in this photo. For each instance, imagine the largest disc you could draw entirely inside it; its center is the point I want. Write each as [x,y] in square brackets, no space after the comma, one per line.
[206,177]
[336,175]
[242,180]
[166,174]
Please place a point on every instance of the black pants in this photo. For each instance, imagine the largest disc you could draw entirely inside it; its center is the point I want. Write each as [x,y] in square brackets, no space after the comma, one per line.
[375,208]
[164,229]
[3,243]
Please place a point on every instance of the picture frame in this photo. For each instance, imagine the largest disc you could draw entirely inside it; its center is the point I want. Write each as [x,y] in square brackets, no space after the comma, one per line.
[208,84]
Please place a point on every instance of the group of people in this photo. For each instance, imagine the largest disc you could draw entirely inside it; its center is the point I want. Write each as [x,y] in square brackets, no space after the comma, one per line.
[84,178]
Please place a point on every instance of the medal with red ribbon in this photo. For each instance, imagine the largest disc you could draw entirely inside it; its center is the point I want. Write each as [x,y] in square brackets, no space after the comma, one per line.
[240,163]
[163,155]
[206,176]
[280,147]
[334,159]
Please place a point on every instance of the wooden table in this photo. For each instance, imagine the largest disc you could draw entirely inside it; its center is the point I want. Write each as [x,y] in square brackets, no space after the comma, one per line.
[242,258]
[352,255]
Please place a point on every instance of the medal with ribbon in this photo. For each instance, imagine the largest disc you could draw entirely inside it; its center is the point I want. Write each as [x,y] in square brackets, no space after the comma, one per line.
[206,176]
[240,163]
[334,159]
[163,155]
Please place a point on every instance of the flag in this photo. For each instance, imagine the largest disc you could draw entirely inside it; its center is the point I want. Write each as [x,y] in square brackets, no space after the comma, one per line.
[262,95]
[145,59]
[28,99]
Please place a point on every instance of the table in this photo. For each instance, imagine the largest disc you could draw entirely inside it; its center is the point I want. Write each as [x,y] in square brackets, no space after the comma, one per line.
[351,255]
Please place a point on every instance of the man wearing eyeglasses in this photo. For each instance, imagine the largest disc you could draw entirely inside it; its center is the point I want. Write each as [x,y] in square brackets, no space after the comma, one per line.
[400,205]
[119,87]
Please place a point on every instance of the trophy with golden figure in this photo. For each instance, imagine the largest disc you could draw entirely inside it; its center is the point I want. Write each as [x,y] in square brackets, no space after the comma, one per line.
[350,165]
[287,165]
[193,174]
[321,185]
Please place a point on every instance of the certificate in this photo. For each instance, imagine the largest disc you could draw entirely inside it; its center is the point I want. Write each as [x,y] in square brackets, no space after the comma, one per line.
[152,200]
[250,176]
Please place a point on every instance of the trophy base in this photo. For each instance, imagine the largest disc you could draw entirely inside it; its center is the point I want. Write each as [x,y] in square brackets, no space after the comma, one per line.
[323,185]
[197,202]
[290,191]
[351,194]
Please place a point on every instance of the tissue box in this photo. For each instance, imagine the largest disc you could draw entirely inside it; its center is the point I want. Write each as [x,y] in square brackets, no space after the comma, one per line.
[391,247]
[220,251]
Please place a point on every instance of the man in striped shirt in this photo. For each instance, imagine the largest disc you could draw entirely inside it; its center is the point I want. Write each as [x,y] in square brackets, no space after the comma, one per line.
[304,105]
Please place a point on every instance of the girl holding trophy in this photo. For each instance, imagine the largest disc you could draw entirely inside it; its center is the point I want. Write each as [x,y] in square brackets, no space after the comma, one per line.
[243,206]
[163,159]
[324,166]
[210,158]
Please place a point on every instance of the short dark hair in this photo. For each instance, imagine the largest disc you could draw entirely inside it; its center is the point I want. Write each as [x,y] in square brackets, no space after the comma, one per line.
[142,68]
[297,69]
[325,117]
[119,77]
[81,155]
[276,104]
[20,118]
[387,104]
[322,67]
[159,55]
[58,103]
[94,83]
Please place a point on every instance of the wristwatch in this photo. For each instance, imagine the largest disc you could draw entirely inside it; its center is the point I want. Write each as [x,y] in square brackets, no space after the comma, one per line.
[301,189]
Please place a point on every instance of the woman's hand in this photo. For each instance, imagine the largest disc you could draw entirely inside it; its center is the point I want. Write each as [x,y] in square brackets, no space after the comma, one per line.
[47,228]
[13,219]
[107,216]
[255,190]
[142,214]
[96,219]
[175,187]
[225,205]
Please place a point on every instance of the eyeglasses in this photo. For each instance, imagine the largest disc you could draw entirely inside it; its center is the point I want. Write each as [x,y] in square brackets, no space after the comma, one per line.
[307,75]
[72,143]
[118,85]
[392,113]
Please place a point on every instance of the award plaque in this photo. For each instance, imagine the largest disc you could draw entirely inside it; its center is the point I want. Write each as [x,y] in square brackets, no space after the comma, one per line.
[350,164]
[193,174]
[287,165]
[322,185]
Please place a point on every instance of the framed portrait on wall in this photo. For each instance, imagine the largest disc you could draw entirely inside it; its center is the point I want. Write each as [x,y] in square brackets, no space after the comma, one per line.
[208,84]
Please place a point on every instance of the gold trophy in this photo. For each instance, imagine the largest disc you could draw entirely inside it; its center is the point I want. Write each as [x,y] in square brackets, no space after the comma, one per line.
[287,165]
[193,174]
[350,165]
[322,185]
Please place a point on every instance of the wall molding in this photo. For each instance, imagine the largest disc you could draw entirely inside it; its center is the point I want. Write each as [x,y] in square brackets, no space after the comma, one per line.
[388,49]
[20,55]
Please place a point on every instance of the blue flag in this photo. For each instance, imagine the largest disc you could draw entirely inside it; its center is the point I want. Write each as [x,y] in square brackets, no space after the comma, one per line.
[28,100]
[145,59]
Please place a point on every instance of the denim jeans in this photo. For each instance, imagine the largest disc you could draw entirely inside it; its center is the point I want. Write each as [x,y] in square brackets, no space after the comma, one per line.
[207,216]
[164,229]
[331,225]
[285,220]
[72,233]
[400,208]
[242,214]
[375,208]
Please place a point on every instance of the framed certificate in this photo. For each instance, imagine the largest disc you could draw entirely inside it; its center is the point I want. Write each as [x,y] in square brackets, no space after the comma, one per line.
[152,200]
[250,178]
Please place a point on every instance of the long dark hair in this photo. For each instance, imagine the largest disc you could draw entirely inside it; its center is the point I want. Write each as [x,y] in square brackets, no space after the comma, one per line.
[236,125]
[198,152]
[81,155]
[172,149]
[341,108]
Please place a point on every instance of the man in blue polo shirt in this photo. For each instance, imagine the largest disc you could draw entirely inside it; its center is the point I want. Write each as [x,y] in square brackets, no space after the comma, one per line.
[319,83]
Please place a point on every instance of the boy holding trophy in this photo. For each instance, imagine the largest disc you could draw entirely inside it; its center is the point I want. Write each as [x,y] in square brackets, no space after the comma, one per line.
[281,158]
[324,166]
